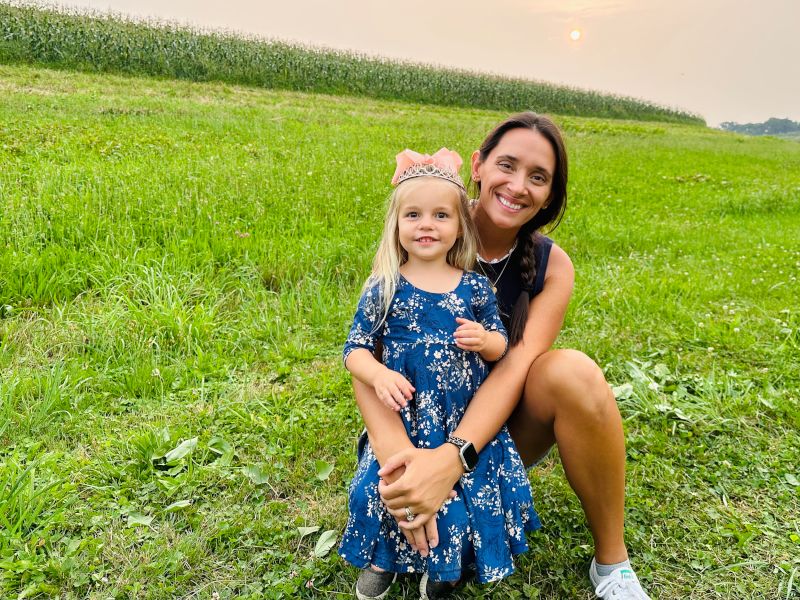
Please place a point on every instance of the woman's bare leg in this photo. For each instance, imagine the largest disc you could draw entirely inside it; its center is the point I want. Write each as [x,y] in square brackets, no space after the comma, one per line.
[567,402]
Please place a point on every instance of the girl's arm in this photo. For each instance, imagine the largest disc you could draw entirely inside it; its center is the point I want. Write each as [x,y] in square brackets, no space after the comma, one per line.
[472,336]
[495,346]
[430,474]
[387,434]
[390,387]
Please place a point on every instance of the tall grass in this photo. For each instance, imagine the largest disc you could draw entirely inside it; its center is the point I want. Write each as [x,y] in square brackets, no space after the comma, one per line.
[114,44]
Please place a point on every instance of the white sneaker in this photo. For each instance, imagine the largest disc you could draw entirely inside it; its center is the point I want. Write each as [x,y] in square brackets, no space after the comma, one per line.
[622,584]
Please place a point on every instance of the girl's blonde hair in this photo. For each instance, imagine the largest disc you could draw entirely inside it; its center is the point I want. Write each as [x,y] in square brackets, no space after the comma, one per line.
[390,254]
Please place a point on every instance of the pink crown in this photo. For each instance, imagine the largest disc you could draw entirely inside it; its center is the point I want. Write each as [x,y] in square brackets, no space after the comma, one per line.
[444,164]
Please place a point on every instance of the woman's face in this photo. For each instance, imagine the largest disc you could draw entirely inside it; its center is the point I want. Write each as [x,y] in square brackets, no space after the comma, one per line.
[516,178]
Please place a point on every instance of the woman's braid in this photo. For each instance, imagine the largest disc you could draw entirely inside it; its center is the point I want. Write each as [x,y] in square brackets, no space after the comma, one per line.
[527,264]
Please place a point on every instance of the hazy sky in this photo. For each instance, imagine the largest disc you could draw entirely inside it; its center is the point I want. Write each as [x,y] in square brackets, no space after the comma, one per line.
[728,60]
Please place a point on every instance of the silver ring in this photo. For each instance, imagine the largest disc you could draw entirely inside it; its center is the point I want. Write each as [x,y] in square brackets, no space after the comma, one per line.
[410,516]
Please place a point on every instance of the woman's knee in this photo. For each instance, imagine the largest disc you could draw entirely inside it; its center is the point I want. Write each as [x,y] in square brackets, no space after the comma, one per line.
[572,382]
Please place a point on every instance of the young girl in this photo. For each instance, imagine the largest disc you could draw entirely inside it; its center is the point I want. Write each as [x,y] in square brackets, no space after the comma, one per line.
[437,325]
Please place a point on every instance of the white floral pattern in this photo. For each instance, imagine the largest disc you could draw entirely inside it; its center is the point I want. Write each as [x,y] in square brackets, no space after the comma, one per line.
[484,526]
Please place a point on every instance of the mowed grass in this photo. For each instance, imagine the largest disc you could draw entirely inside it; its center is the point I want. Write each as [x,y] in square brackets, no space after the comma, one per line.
[179,264]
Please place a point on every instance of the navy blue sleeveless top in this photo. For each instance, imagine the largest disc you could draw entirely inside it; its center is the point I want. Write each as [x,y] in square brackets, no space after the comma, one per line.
[509,286]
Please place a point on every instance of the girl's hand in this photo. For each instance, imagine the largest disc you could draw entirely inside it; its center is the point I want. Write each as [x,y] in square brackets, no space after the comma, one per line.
[392,389]
[470,335]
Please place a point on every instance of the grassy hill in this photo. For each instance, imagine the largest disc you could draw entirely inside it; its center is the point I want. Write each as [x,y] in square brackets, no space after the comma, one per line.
[179,263]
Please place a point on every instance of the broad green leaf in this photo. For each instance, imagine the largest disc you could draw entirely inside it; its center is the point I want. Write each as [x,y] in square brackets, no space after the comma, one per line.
[256,474]
[661,371]
[791,479]
[222,448]
[136,518]
[323,468]
[73,546]
[304,531]
[180,451]
[325,543]
[623,392]
[176,506]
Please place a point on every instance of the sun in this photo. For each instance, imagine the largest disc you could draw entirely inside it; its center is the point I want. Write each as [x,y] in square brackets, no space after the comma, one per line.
[575,35]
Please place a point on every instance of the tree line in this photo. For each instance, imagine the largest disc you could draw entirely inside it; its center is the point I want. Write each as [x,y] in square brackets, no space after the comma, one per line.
[771,126]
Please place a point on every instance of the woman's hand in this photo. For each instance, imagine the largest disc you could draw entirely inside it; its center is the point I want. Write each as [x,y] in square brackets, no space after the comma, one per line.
[392,388]
[401,477]
[427,480]
[422,537]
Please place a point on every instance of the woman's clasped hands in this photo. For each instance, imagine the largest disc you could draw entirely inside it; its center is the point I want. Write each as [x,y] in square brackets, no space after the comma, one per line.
[418,482]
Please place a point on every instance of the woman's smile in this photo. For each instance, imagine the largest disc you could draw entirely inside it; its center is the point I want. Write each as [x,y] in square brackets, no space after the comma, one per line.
[509,203]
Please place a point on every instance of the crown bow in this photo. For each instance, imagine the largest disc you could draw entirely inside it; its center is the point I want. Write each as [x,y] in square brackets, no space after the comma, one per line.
[444,164]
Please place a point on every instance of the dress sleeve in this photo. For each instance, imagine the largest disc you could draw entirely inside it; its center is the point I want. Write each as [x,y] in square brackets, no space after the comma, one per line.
[484,304]
[367,328]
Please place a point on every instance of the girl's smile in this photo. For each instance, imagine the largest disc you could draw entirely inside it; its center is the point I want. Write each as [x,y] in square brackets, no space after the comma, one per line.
[426,240]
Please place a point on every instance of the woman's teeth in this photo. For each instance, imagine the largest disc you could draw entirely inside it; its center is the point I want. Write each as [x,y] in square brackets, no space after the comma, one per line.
[508,204]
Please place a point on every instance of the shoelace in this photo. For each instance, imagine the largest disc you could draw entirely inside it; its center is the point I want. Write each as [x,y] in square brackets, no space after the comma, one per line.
[617,586]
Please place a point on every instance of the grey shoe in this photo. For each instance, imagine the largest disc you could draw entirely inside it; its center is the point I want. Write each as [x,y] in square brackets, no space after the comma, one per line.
[432,590]
[374,585]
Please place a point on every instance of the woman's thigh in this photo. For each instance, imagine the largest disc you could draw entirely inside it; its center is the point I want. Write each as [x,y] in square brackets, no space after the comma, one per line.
[560,383]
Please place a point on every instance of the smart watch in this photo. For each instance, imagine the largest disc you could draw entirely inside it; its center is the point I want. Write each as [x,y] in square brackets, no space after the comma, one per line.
[466,451]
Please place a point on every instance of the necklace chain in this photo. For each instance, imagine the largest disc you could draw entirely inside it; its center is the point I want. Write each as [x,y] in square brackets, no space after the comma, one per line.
[497,279]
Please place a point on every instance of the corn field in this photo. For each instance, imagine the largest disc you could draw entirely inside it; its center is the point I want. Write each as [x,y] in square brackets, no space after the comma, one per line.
[105,43]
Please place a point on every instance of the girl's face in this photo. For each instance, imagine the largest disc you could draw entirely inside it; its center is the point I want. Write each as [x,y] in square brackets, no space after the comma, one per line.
[516,178]
[428,221]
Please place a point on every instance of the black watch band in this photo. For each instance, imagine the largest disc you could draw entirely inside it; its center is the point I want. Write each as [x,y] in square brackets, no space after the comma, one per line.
[466,451]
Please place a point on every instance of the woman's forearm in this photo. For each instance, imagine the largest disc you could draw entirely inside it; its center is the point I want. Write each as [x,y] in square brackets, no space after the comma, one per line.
[497,397]
[387,435]
[495,400]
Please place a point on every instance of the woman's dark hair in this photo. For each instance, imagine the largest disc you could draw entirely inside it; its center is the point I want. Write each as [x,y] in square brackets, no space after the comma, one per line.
[550,214]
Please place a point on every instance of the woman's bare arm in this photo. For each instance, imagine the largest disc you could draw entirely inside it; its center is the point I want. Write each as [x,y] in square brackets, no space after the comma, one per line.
[497,397]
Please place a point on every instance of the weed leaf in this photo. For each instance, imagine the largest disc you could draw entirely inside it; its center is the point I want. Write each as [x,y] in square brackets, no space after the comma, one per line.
[325,543]
[623,392]
[180,451]
[135,519]
[223,449]
[324,469]
[304,531]
[256,474]
[179,505]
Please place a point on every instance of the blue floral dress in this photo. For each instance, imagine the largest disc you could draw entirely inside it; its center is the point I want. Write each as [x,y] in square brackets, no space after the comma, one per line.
[484,526]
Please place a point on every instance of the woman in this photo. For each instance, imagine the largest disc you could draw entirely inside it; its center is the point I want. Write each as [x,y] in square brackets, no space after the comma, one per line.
[546,396]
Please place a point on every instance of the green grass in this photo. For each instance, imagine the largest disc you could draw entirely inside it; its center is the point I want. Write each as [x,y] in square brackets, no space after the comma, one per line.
[179,264]
[95,42]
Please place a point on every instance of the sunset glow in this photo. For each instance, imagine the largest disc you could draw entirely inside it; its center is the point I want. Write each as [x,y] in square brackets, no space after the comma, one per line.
[575,35]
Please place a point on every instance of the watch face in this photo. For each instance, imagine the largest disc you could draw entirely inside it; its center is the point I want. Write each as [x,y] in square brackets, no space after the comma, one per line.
[470,456]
